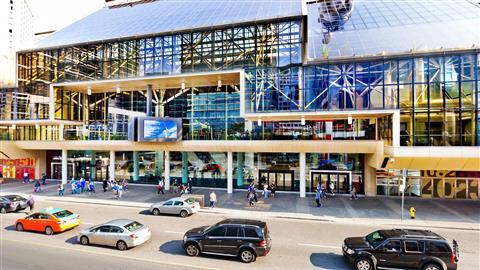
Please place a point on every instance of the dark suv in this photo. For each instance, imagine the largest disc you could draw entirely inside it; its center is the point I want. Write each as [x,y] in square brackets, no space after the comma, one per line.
[244,238]
[398,248]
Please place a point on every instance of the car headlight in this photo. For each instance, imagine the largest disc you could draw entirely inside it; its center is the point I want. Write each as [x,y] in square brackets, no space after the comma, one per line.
[185,239]
[349,251]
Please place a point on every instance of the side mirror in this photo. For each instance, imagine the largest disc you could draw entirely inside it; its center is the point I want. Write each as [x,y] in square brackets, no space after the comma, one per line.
[390,250]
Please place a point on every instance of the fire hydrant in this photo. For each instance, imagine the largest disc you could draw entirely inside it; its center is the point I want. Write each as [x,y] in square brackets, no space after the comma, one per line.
[412,212]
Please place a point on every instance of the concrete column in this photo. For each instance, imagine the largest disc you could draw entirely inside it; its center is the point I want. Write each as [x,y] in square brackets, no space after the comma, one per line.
[396,129]
[240,176]
[184,167]
[302,175]
[149,100]
[51,106]
[159,162]
[166,170]
[93,161]
[61,132]
[229,172]
[111,167]
[64,166]
[136,166]
[370,180]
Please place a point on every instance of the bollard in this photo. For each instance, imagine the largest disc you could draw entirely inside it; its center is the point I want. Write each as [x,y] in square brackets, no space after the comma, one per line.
[412,213]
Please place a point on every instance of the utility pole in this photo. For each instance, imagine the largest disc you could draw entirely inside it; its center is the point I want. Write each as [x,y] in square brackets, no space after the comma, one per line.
[402,189]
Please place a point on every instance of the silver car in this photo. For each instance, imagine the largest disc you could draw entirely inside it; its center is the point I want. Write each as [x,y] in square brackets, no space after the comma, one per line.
[177,206]
[119,233]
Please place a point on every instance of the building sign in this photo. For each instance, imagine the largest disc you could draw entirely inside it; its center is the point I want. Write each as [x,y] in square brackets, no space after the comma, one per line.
[153,129]
[450,184]
[15,168]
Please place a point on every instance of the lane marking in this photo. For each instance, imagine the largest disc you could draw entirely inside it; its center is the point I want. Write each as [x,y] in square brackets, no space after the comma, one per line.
[111,255]
[174,232]
[320,246]
[87,223]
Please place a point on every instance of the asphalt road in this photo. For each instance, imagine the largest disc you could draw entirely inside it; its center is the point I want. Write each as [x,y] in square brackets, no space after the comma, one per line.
[297,244]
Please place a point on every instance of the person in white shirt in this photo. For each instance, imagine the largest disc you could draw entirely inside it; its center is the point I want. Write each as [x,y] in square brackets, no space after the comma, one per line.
[213,199]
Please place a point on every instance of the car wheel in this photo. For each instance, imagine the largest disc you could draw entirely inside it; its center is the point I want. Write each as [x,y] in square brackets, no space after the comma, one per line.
[192,249]
[19,227]
[3,210]
[431,266]
[121,245]
[183,213]
[156,212]
[48,230]
[247,255]
[84,240]
[363,264]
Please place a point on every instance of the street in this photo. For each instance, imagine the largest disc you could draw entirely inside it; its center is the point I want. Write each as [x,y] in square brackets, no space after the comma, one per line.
[297,244]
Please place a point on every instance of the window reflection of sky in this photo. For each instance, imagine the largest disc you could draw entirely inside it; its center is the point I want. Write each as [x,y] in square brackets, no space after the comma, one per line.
[397,26]
[160,129]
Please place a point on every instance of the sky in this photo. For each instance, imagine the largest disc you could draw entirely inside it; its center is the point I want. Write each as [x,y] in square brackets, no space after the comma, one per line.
[56,14]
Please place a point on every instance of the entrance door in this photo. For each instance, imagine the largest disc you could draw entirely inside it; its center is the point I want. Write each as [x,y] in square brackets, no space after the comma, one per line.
[284,180]
[340,180]
[56,170]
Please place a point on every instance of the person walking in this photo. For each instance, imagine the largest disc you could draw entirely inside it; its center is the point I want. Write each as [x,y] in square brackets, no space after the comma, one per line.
[105,185]
[213,199]
[73,184]
[26,177]
[332,187]
[37,186]
[30,203]
[318,198]
[265,191]
[61,190]
[190,186]
[44,179]
[160,187]
[353,192]
[91,186]
[82,184]
[124,184]
[175,186]
[250,198]
[120,191]
[273,189]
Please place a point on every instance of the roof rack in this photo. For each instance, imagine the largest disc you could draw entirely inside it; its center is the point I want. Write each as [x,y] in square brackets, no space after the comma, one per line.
[421,236]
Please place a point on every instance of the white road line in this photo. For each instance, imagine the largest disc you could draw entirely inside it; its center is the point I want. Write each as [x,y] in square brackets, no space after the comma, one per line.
[174,232]
[320,246]
[87,223]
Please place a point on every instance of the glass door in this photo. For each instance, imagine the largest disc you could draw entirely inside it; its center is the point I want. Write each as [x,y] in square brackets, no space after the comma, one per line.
[340,180]
[284,180]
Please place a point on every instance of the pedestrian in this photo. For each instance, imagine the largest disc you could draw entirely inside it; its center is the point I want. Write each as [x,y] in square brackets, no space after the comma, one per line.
[318,198]
[26,178]
[213,199]
[115,189]
[265,191]
[160,187]
[190,186]
[105,185]
[82,184]
[353,193]
[323,191]
[255,194]
[120,191]
[30,203]
[124,184]
[61,189]
[250,198]
[91,186]
[175,186]
[273,189]
[37,186]
[44,179]
[182,189]
[332,187]
[73,185]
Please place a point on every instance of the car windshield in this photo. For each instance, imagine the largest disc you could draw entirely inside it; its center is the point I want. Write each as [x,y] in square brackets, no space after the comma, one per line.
[62,214]
[133,226]
[375,238]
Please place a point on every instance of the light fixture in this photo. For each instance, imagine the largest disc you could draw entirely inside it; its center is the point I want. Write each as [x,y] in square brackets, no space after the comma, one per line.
[89,91]
[302,121]
[350,120]
[392,160]
[183,86]
[219,83]
[259,121]
[118,90]
[37,126]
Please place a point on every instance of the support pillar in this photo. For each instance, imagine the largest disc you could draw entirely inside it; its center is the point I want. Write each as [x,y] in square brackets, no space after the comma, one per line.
[240,176]
[396,129]
[184,167]
[229,172]
[149,100]
[51,106]
[61,132]
[111,166]
[302,174]
[136,166]
[159,162]
[93,162]
[64,166]
[166,170]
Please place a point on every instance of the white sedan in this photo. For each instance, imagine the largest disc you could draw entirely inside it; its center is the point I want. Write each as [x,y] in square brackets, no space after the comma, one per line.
[176,206]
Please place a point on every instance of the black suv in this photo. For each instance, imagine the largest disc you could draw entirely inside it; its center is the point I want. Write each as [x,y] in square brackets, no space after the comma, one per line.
[398,248]
[244,238]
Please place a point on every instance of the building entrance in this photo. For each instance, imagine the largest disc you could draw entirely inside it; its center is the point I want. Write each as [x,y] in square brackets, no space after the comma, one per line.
[341,180]
[283,179]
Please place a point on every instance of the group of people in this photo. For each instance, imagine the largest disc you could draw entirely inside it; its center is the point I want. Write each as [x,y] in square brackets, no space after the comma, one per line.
[37,186]
[176,188]
[322,192]
[267,190]
[78,186]
[118,187]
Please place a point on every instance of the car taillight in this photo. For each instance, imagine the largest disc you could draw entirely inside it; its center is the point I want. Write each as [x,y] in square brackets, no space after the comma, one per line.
[133,236]
[193,205]
[11,204]
[263,243]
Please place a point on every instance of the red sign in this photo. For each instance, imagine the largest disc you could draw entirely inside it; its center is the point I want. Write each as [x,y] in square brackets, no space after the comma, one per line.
[15,168]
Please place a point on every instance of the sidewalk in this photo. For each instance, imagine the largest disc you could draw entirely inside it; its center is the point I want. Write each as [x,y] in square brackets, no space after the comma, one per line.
[431,213]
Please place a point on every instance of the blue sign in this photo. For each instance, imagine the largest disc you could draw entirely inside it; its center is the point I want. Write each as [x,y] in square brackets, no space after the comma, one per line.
[160,129]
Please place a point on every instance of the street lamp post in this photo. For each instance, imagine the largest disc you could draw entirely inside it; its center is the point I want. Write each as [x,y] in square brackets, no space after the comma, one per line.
[402,189]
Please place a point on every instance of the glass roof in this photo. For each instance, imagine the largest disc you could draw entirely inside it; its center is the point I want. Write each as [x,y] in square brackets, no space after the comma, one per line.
[370,27]
[166,16]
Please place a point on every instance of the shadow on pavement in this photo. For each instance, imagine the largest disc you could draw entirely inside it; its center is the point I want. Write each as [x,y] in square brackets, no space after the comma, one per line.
[329,261]
[173,247]
[10,228]
[72,240]
[145,212]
